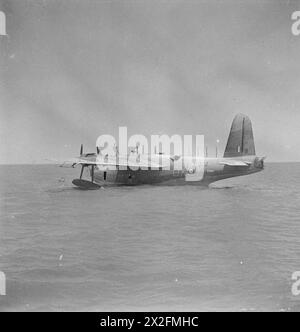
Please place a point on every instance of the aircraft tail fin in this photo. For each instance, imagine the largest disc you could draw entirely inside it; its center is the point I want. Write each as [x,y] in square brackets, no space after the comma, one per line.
[240,141]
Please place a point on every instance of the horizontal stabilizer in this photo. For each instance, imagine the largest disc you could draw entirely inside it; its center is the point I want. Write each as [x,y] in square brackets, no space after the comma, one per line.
[235,163]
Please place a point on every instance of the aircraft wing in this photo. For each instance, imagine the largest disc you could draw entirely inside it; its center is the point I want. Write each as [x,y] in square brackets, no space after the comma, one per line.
[65,163]
[122,163]
[235,163]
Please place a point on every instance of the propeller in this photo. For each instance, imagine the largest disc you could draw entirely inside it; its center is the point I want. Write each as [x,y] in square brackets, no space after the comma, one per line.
[81,150]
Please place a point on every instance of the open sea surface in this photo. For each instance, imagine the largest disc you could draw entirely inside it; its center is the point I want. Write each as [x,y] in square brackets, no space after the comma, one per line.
[232,246]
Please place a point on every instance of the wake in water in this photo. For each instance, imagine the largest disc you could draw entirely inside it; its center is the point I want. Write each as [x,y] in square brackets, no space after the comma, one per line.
[221,187]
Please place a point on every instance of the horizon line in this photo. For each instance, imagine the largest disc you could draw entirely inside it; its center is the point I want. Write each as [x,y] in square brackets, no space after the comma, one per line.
[41,163]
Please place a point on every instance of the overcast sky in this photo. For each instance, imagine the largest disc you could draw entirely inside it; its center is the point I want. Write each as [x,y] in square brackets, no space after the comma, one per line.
[73,70]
